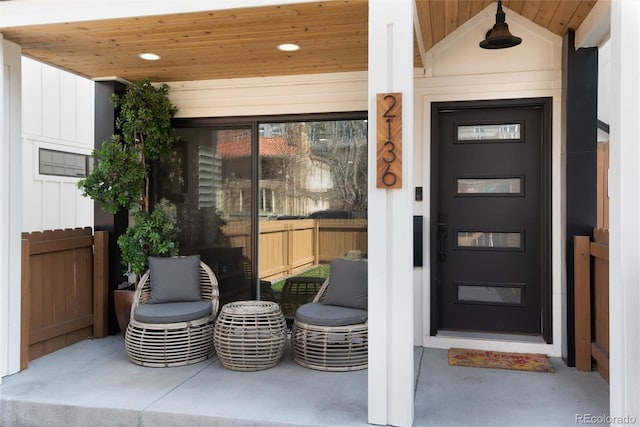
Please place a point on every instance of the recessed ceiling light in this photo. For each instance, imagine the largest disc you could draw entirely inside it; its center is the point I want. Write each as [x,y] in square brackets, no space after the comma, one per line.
[149,56]
[288,47]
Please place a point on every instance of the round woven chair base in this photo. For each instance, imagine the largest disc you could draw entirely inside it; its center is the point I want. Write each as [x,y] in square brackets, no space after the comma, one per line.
[168,345]
[330,348]
[250,335]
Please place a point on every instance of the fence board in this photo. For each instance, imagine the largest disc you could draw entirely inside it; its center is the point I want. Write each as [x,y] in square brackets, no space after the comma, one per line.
[25,305]
[591,273]
[309,242]
[286,247]
[54,331]
[338,236]
[63,300]
[289,246]
[602,184]
[601,301]
[582,292]
[64,244]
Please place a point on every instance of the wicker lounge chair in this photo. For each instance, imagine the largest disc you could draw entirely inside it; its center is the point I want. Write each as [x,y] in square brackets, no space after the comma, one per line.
[331,333]
[165,333]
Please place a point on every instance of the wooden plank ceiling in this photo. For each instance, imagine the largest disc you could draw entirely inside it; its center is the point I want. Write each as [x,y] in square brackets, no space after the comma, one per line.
[242,42]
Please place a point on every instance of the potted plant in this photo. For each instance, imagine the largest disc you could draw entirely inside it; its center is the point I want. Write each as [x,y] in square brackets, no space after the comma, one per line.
[121,175]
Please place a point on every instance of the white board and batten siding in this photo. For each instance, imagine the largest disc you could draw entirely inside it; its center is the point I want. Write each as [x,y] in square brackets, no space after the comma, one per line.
[58,114]
[303,94]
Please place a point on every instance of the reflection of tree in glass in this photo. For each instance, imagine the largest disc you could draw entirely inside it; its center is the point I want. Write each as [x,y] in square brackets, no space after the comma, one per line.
[343,146]
[313,166]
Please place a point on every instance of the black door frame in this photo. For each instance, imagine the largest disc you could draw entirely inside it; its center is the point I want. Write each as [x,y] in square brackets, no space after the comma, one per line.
[545,104]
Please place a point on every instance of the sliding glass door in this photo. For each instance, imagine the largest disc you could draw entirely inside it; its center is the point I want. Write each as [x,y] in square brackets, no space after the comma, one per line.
[264,199]
[207,185]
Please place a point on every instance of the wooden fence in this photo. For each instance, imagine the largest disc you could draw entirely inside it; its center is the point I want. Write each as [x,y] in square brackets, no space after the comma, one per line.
[602,186]
[591,289]
[336,237]
[289,246]
[64,289]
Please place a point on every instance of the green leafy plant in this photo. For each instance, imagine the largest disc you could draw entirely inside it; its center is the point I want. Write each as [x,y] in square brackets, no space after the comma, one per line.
[120,176]
[145,121]
[152,234]
[117,178]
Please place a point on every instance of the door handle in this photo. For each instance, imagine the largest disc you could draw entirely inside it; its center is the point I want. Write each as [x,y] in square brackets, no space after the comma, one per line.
[442,241]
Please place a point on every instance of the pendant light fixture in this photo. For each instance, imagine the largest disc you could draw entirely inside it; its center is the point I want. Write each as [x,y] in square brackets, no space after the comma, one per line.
[499,36]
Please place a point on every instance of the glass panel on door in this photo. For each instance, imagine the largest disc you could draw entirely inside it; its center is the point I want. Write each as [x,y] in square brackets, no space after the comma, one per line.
[489,240]
[489,132]
[483,293]
[488,186]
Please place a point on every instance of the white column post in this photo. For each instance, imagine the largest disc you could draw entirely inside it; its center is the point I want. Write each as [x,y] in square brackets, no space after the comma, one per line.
[391,376]
[10,206]
[624,187]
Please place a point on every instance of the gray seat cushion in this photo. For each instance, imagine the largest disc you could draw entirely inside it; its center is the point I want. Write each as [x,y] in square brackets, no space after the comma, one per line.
[320,314]
[348,284]
[174,279]
[172,312]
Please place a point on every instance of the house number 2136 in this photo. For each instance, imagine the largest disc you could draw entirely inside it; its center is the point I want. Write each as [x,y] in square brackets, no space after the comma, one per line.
[389,140]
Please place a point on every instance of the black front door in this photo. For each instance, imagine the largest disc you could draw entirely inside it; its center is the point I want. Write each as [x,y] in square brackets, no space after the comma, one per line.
[490,204]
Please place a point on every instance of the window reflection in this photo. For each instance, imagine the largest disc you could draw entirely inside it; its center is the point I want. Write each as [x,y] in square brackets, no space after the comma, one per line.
[481,239]
[506,131]
[207,182]
[309,167]
[312,196]
[472,186]
[511,295]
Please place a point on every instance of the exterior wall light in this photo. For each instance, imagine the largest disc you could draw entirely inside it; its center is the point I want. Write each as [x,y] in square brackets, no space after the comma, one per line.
[499,36]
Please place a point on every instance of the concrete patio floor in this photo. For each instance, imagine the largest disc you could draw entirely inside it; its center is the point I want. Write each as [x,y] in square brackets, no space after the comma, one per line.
[92,383]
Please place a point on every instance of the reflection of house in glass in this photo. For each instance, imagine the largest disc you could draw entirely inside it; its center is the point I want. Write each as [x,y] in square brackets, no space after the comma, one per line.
[299,171]
[291,182]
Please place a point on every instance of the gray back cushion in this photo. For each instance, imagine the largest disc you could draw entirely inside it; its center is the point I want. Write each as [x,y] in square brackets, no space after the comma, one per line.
[348,284]
[174,279]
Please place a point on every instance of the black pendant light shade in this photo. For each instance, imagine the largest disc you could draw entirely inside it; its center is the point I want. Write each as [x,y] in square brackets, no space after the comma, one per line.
[499,36]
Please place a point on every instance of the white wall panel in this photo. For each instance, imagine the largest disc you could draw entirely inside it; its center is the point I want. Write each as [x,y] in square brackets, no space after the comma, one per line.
[50,102]
[84,211]
[459,54]
[31,203]
[84,99]
[624,190]
[51,205]
[10,207]
[32,96]
[68,115]
[58,108]
[275,95]
[68,205]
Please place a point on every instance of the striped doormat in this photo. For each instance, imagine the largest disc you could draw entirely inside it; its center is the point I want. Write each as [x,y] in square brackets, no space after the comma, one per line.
[500,360]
